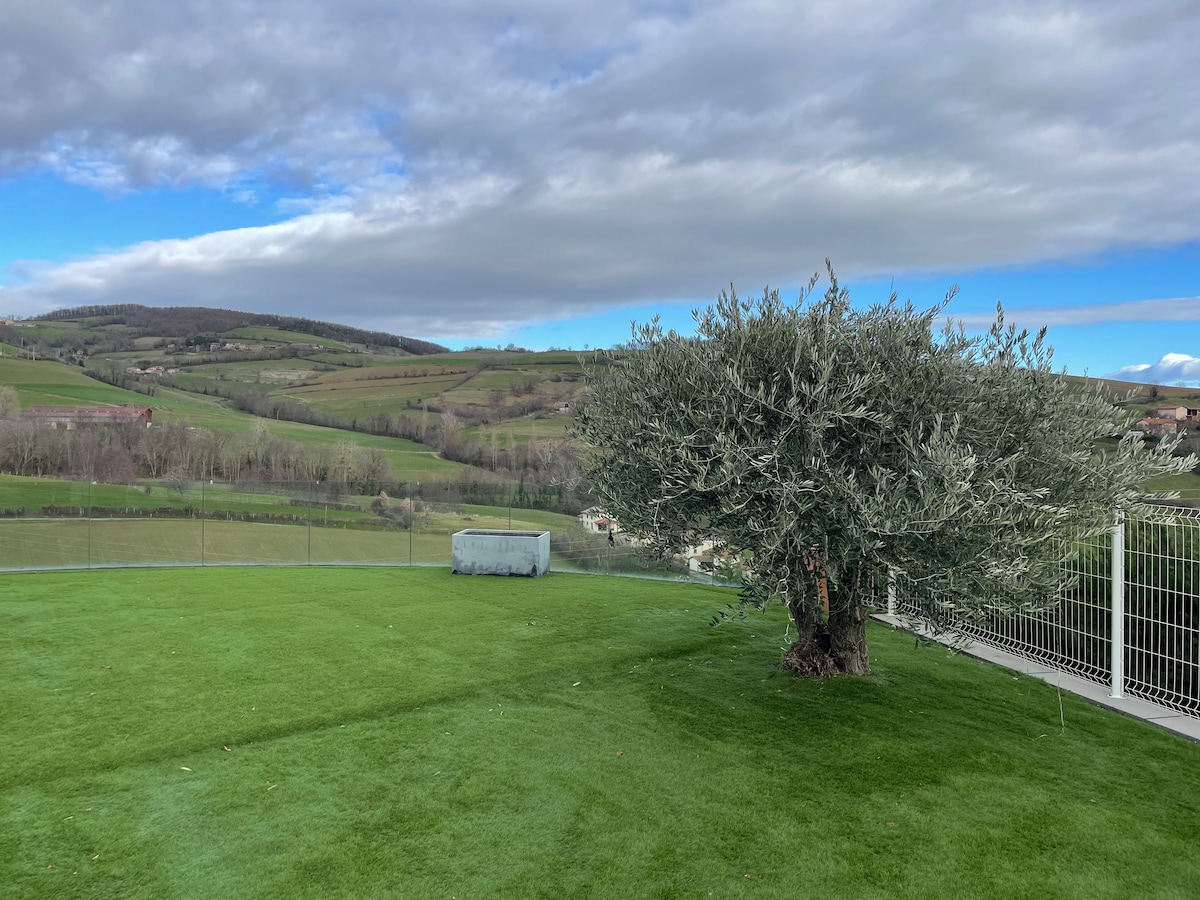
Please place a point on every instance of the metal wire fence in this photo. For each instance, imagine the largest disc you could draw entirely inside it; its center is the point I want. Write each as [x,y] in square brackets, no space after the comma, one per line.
[52,524]
[1129,617]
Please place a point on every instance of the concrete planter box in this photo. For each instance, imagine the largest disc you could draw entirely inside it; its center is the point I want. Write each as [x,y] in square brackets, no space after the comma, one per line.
[483,551]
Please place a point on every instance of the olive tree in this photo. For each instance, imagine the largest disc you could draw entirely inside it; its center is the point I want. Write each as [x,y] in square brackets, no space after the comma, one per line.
[833,446]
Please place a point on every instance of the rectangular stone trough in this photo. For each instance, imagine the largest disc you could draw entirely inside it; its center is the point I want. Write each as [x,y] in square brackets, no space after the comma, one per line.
[485,551]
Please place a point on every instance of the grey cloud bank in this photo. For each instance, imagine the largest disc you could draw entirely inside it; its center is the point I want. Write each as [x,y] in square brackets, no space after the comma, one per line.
[471,169]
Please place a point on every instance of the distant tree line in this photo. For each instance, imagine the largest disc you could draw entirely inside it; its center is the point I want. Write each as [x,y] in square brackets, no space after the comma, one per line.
[184,321]
[115,374]
[121,454]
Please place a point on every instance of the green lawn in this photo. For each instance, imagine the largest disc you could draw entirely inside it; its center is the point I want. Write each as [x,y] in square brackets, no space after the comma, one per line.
[403,732]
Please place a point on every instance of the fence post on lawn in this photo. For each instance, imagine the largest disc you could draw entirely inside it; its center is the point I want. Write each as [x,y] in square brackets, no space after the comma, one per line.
[891,588]
[1117,663]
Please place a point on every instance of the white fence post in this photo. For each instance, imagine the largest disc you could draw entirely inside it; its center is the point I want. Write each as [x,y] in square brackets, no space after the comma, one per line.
[891,588]
[1117,663]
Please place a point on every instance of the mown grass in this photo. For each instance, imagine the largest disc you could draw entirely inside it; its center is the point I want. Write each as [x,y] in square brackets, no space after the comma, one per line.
[351,732]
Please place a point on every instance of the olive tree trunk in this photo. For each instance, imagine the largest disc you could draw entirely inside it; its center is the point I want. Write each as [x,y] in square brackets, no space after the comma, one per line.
[829,646]
[848,638]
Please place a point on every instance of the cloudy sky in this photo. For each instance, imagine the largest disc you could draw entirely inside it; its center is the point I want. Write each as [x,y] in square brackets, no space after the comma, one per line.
[543,172]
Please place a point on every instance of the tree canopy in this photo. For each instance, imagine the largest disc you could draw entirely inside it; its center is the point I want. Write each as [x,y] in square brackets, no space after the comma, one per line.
[820,441]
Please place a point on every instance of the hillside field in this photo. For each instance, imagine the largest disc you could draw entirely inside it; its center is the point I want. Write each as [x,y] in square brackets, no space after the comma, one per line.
[357,376]
[53,384]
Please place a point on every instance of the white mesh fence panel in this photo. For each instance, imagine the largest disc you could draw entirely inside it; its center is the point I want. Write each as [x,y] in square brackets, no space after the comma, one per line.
[1161,623]
[1074,637]
[1162,611]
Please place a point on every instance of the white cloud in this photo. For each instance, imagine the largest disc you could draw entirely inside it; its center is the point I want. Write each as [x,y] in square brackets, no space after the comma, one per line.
[462,166]
[1173,368]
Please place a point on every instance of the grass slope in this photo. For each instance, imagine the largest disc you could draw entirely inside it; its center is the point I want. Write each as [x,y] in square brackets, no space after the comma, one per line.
[279,335]
[49,383]
[348,733]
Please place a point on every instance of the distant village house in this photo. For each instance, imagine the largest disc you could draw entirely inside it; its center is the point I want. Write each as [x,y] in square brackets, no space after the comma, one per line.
[598,521]
[1179,413]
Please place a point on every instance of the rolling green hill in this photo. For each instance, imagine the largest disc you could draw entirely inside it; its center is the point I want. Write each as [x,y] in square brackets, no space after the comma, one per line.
[311,383]
[47,383]
[301,370]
